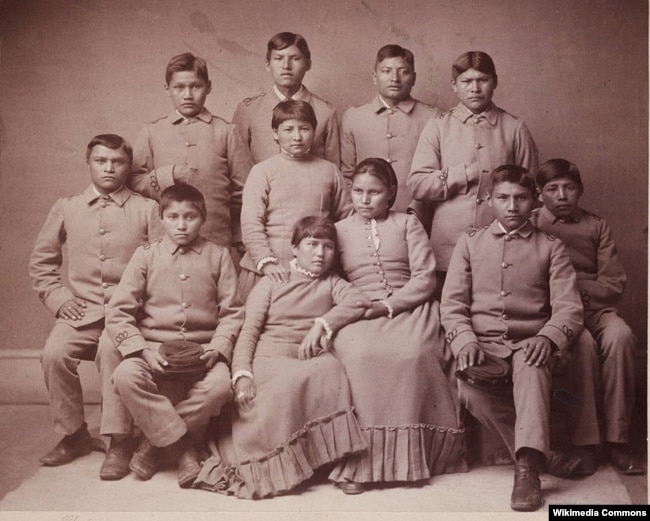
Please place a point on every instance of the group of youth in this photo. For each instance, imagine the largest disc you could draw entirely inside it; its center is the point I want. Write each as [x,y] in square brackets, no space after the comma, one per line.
[351,278]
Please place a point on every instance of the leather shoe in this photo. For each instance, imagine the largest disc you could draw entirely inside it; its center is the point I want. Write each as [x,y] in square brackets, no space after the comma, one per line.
[527,489]
[351,488]
[624,461]
[144,462]
[562,464]
[588,461]
[69,448]
[116,463]
[188,468]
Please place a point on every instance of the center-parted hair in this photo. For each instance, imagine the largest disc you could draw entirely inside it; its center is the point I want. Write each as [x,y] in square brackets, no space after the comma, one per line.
[112,141]
[281,41]
[513,174]
[556,169]
[478,60]
[182,192]
[382,170]
[293,109]
[313,226]
[395,51]
[187,62]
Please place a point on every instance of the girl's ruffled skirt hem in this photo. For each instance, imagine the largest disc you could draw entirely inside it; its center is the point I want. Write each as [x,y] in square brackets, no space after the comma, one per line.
[321,441]
[404,453]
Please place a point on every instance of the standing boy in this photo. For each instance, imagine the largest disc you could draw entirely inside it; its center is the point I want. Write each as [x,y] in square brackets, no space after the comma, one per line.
[511,293]
[191,146]
[179,289]
[288,59]
[601,281]
[457,151]
[389,126]
[101,226]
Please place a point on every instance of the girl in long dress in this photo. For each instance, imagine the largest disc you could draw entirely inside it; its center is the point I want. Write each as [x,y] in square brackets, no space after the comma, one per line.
[293,406]
[395,359]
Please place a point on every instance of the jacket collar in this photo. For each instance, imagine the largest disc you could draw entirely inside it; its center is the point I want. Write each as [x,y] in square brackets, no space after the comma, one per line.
[119,196]
[491,114]
[546,215]
[196,245]
[525,230]
[205,115]
[406,106]
[303,94]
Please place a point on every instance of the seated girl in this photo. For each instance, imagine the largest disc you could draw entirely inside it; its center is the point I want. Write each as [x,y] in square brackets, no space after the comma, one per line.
[283,189]
[293,407]
[395,359]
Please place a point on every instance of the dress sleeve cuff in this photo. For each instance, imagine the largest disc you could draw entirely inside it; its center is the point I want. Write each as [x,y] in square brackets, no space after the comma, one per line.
[242,373]
[263,262]
[326,327]
[388,307]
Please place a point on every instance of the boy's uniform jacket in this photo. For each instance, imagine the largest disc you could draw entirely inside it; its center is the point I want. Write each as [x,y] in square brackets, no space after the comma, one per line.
[101,234]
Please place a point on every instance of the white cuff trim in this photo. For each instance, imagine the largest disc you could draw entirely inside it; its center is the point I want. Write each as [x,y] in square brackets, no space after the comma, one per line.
[388,307]
[265,261]
[326,327]
[242,373]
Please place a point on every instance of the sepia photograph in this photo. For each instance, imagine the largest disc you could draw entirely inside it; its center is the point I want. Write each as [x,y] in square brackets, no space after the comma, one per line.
[356,259]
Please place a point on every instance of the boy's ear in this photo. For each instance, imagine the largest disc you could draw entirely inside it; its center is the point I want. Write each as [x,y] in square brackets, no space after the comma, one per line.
[275,135]
[454,86]
[374,77]
[488,198]
[294,250]
[167,89]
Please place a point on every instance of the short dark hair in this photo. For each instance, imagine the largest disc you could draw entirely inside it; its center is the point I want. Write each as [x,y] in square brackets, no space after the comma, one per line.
[382,170]
[183,192]
[293,109]
[513,174]
[112,141]
[478,60]
[187,62]
[395,51]
[557,168]
[313,226]
[283,40]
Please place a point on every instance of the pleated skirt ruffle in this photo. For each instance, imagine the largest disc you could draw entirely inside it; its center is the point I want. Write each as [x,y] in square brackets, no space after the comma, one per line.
[302,418]
[404,453]
[404,397]
[321,441]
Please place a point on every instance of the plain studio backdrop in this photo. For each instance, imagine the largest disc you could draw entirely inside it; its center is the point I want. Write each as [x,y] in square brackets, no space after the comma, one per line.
[575,70]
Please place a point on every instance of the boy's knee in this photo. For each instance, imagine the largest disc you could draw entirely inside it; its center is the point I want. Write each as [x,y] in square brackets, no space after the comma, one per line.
[125,376]
[56,352]
[108,355]
[217,383]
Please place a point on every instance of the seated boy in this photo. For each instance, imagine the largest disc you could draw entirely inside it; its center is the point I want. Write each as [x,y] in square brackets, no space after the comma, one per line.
[288,59]
[511,293]
[179,288]
[102,227]
[601,281]
[192,146]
